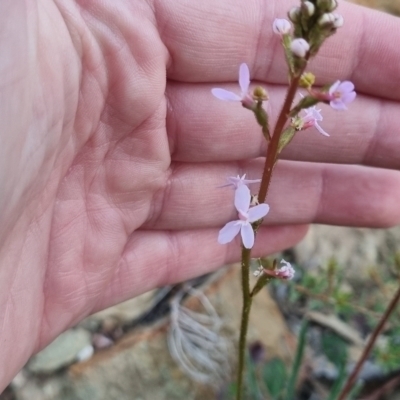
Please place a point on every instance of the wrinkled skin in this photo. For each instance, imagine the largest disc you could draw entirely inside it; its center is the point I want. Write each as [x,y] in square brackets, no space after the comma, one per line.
[112,149]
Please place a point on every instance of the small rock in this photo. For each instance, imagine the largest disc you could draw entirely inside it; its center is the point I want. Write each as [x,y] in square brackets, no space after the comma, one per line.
[323,368]
[61,352]
[124,312]
[85,354]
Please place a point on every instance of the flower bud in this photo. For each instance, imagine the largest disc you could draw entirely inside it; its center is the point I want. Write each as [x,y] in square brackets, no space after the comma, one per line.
[326,20]
[307,80]
[330,20]
[327,5]
[260,94]
[281,26]
[294,14]
[339,21]
[299,47]
[308,8]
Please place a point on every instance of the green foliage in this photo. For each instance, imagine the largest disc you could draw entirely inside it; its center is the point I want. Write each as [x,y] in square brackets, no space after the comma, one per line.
[290,392]
[275,377]
[329,290]
[335,349]
[388,355]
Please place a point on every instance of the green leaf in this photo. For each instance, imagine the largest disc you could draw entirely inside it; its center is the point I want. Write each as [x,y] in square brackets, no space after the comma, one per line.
[335,348]
[262,119]
[286,138]
[297,361]
[275,377]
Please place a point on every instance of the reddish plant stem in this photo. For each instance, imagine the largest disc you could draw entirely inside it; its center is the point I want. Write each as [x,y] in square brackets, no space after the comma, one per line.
[272,151]
[247,301]
[352,378]
[272,156]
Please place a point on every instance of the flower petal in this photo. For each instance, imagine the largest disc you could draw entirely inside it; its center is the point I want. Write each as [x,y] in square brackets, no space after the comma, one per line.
[320,130]
[223,94]
[229,231]
[247,234]
[244,78]
[242,198]
[349,97]
[258,212]
[334,87]
[338,104]
[248,181]
[346,87]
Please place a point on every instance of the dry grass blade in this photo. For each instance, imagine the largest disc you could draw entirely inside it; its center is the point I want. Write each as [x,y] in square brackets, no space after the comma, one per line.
[195,341]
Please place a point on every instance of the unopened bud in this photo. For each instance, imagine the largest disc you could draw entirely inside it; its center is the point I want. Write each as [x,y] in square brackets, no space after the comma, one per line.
[260,94]
[330,20]
[308,8]
[299,47]
[339,21]
[327,5]
[307,80]
[294,14]
[281,26]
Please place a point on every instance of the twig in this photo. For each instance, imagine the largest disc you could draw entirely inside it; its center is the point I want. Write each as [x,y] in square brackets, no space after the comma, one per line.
[352,378]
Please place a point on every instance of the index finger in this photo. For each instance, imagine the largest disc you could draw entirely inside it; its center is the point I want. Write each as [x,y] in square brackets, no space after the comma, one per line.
[208,40]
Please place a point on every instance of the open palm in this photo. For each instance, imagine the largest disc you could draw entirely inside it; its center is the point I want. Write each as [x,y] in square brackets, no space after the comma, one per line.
[113,149]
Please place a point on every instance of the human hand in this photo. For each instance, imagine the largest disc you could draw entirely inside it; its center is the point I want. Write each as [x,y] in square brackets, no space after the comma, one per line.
[110,171]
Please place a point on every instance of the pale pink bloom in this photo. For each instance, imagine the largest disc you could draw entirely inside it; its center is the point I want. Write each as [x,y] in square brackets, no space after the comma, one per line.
[247,216]
[244,83]
[299,47]
[236,181]
[312,117]
[340,94]
[285,272]
[281,26]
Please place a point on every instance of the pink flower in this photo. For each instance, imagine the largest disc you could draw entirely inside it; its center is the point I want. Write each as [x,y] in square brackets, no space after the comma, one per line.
[236,181]
[244,83]
[311,119]
[247,216]
[313,115]
[299,47]
[281,26]
[285,272]
[340,94]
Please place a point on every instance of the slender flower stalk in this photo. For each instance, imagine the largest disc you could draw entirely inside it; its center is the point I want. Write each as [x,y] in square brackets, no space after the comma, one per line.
[312,24]
[247,302]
